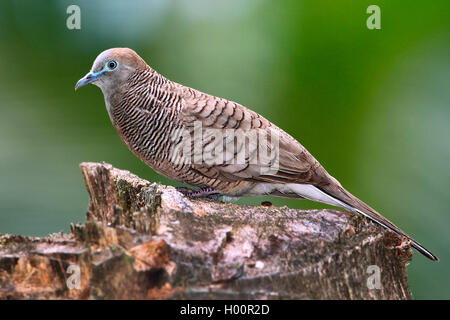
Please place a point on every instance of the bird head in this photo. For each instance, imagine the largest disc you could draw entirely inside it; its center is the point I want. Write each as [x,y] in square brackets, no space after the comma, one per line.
[112,68]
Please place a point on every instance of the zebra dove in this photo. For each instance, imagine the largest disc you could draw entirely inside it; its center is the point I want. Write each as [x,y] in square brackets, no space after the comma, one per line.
[153,115]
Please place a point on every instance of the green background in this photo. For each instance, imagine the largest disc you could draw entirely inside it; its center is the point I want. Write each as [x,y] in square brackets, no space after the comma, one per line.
[371,105]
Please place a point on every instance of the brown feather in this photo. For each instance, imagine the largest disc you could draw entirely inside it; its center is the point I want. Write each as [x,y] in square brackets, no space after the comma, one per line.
[150,113]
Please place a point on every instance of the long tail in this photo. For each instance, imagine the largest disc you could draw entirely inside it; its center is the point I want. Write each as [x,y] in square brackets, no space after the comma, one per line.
[334,194]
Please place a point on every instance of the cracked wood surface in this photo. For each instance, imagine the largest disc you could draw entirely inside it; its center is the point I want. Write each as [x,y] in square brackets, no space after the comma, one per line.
[145,240]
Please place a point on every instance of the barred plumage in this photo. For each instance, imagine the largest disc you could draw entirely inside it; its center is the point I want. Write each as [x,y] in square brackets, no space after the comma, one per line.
[207,141]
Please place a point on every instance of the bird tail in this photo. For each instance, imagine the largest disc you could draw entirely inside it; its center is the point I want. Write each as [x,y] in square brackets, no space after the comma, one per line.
[334,194]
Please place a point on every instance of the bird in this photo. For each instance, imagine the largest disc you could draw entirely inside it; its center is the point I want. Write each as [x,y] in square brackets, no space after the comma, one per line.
[195,138]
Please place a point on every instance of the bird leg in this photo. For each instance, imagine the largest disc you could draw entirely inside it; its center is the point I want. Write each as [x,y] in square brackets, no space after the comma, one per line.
[206,192]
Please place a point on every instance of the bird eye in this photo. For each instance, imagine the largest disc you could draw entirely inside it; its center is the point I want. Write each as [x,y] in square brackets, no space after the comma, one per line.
[112,64]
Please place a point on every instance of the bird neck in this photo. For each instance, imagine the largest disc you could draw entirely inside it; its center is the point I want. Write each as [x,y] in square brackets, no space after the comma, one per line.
[143,109]
[139,83]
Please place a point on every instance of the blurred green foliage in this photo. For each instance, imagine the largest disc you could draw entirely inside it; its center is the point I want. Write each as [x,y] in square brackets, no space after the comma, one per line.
[371,105]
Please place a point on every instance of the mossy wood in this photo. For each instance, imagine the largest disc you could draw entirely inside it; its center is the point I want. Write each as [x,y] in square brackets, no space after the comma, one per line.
[145,240]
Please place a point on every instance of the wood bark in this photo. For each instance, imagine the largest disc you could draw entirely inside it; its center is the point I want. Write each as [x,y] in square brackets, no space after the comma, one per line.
[144,240]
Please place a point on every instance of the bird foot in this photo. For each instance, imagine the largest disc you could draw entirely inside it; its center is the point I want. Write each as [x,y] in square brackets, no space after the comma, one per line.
[205,193]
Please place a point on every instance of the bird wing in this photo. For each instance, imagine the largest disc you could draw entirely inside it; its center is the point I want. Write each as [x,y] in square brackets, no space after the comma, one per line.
[296,165]
[293,162]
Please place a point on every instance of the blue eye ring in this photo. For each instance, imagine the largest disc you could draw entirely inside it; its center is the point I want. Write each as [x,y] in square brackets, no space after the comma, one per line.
[111,65]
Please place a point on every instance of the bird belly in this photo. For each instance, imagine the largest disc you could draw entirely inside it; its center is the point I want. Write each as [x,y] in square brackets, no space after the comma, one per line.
[262,189]
[292,190]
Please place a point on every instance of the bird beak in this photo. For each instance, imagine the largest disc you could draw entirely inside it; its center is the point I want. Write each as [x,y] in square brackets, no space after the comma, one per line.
[90,77]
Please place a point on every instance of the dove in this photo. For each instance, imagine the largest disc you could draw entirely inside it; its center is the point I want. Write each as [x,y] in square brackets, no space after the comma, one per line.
[214,144]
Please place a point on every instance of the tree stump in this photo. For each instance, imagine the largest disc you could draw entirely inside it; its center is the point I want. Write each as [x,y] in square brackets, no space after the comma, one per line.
[145,240]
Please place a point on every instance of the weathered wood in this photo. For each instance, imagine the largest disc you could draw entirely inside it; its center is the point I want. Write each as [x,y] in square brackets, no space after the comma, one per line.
[145,240]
